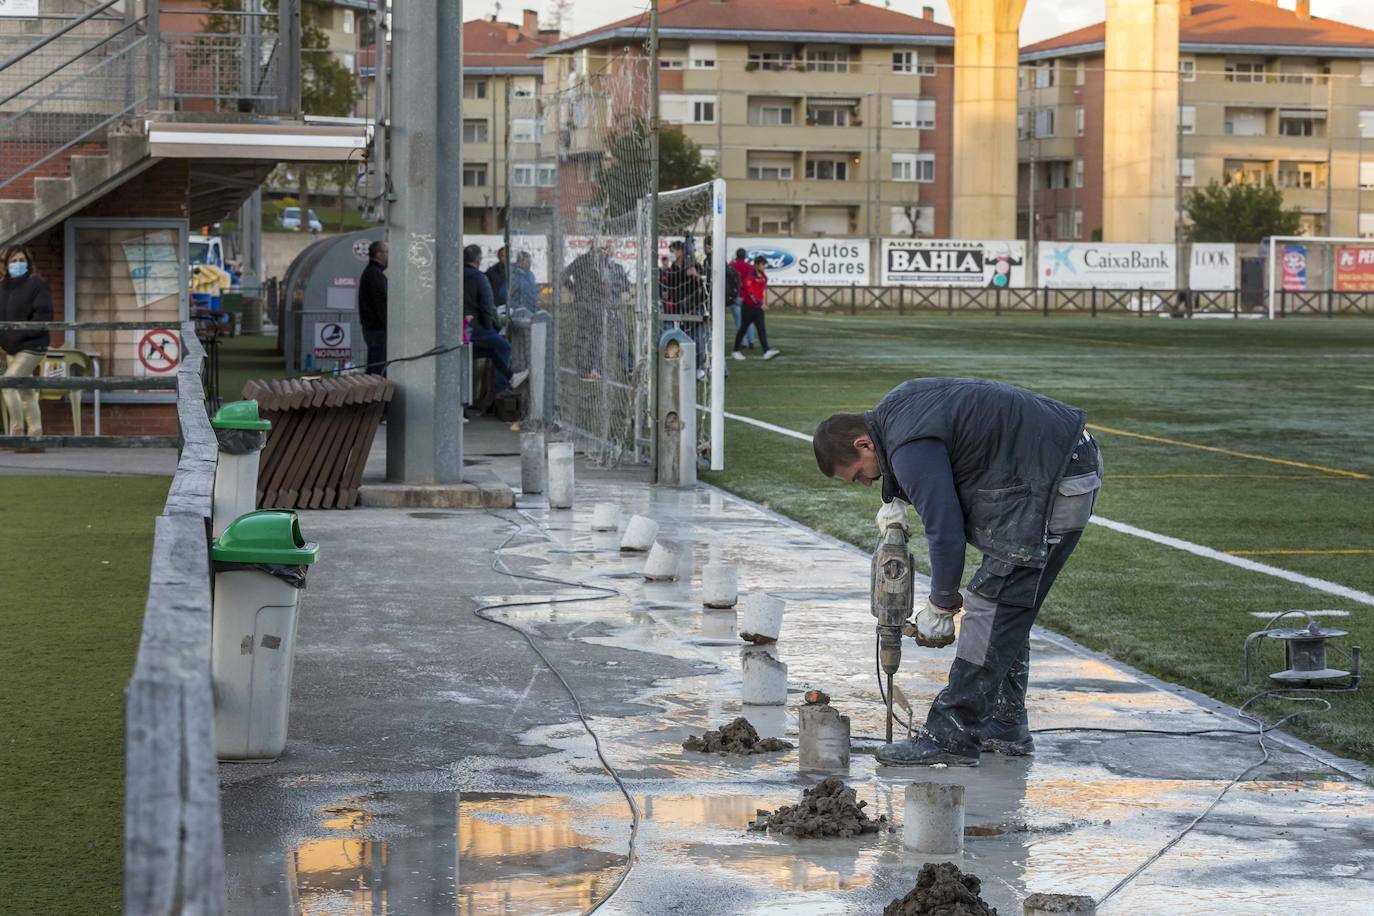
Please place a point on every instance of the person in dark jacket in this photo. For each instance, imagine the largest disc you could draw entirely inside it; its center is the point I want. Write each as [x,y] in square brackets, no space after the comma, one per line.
[24,296]
[1011,472]
[372,306]
[484,325]
[496,276]
[588,278]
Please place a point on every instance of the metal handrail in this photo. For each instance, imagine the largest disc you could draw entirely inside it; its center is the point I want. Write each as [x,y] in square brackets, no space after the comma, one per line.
[49,39]
[71,60]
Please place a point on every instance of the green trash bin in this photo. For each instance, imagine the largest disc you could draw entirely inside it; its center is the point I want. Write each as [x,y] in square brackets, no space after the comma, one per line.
[242,432]
[260,564]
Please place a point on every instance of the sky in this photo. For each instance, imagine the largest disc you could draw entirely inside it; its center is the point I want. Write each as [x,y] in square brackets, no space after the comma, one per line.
[1043,18]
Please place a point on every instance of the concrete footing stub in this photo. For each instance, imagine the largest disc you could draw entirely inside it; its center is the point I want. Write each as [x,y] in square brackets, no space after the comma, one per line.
[561,482]
[532,458]
[933,822]
[823,739]
[719,585]
[764,677]
[639,533]
[663,561]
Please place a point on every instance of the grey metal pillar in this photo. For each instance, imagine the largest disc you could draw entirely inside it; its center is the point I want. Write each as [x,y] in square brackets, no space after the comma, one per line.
[676,457]
[250,233]
[289,57]
[425,424]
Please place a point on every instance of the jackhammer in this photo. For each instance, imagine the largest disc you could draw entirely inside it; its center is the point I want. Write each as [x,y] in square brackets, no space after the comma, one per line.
[891,587]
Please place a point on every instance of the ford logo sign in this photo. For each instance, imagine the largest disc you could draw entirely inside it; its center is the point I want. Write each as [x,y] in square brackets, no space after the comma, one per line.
[778,258]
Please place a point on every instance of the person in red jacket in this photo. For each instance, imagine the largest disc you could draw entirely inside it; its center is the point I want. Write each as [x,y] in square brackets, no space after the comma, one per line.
[753,290]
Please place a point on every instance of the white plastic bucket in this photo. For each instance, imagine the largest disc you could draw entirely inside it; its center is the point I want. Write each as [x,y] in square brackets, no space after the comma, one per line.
[605,517]
[765,678]
[639,533]
[762,618]
[719,585]
[560,482]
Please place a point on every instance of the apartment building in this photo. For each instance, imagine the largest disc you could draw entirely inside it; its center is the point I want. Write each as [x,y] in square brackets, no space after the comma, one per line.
[831,118]
[1266,94]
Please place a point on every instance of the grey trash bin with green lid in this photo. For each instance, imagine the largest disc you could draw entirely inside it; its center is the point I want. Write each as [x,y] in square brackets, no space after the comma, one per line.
[241,432]
[260,564]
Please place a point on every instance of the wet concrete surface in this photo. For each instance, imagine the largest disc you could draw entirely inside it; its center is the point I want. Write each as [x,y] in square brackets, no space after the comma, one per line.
[436,766]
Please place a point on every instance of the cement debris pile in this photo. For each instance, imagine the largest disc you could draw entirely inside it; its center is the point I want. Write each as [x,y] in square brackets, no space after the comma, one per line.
[830,809]
[941,890]
[739,737]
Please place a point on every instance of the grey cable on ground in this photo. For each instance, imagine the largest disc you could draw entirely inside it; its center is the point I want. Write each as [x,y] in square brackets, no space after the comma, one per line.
[499,565]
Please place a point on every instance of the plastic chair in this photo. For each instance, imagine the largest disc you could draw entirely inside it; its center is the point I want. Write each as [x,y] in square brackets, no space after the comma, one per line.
[65,363]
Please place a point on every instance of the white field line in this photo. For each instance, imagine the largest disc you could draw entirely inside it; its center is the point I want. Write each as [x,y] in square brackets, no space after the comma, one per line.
[1321,585]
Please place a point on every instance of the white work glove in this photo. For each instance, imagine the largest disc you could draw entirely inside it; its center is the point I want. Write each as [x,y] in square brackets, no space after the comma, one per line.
[935,626]
[893,513]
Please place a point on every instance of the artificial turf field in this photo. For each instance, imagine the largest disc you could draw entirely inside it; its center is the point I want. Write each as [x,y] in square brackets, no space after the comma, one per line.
[1254,438]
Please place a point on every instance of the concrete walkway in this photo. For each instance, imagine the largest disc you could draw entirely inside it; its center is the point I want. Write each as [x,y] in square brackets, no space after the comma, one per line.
[437,766]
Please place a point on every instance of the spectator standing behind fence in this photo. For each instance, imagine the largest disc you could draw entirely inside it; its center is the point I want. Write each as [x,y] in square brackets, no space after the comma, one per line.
[496,276]
[524,288]
[372,306]
[587,278]
[685,298]
[735,273]
[479,307]
[754,291]
[24,296]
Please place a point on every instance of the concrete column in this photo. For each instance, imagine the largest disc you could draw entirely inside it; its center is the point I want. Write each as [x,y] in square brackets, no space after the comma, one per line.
[985,59]
[1140,130]
[425,423]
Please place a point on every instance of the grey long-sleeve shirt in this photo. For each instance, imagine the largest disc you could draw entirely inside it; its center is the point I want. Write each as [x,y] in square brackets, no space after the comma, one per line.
[924,473]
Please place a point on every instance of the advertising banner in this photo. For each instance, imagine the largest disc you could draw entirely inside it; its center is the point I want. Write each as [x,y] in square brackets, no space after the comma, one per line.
[1294,267]
[810,262]
[18,9]
[953,262]
[1212,267]
[1106,265]
[1355,270]
[536,245]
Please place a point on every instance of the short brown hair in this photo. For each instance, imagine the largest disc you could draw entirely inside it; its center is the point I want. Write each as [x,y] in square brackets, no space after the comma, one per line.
[834,439]
[10,251]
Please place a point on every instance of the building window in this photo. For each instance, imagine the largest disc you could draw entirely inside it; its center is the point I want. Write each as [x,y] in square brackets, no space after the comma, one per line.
[1367,225]
[1078,172]
[702,56]
[1302,176]
[911,221]
[1078,224]
[1246,122]
[827,116]
[672,63]
[349,62]
[1297,74]
[348,22]
[925,167]
[526,130]
[688,109]
[925,66]
[1297,127]
[903,166]
[925,114]
[1065,227]
[474,89]
[1057,175]
[548,176]
[474,131]
[1367,73]
[703,112]
[1021,132]
[913,113]
[1080,72]
[771,60]
[1187,119]
[769,220]
[1044,122]
[1187,69]
[1244,72]
[1022,77]
[1077,122]
[522,176]
[710,157]
[1255,174]
[1044,74]
[474,175]
[903,61]
[827,169]
[1367,123]
[773,116]
[1367,176]
[1187,172]
[770,168]
[828,61]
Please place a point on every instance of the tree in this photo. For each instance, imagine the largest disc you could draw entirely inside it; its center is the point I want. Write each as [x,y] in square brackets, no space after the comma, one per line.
[679,162]
[625,166]
[1238,213]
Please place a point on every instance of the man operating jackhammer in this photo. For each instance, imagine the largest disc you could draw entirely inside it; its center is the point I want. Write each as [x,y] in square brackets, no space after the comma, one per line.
[1009,471]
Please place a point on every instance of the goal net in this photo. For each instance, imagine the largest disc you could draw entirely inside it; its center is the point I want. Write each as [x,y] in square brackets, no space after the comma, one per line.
[590,216]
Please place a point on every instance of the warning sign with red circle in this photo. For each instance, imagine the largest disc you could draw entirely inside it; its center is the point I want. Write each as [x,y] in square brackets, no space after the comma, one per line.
[159,352]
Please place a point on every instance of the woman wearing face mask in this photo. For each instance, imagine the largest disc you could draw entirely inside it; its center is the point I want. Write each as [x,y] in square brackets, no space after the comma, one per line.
[23,297]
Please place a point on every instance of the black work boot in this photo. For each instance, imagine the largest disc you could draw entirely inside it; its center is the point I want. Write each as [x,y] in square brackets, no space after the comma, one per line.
[1010,739]
[920,751]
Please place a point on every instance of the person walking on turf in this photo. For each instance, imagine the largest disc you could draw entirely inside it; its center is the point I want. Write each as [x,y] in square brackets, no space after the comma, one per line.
[24,296]
[735,272]
[754,290]
[372,306]
[1009,471]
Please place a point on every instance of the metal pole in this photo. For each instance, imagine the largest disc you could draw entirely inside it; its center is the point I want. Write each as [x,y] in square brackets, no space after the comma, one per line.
[655,323]
[1273,270]
[718,267]
[1330,262]
[509,202]
[1030,222]
[289,57]
[1178,190]
[154,26]
[381,193]
[425,428]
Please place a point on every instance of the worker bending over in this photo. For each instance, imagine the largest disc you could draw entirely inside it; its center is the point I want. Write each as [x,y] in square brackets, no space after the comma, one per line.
[1014,474]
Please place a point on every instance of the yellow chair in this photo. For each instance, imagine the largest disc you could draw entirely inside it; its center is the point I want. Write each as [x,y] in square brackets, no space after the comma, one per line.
[65,363]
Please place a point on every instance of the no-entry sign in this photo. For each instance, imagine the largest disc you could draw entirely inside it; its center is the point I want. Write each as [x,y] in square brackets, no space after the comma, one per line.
[333,340]
[159,352]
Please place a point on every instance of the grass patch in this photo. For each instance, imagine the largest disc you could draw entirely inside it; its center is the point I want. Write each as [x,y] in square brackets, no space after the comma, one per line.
[1283,391]
[248,357]
[74,555]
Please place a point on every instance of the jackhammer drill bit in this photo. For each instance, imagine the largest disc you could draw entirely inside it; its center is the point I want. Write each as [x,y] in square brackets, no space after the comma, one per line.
[892,590]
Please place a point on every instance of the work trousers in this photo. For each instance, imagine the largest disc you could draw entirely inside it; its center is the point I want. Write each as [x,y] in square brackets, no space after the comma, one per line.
[753,317]
[22,404]
[488,344]
[987,682]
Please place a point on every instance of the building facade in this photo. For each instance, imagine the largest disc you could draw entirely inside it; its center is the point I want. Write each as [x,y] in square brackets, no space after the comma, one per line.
[1266,95]
[826,120]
